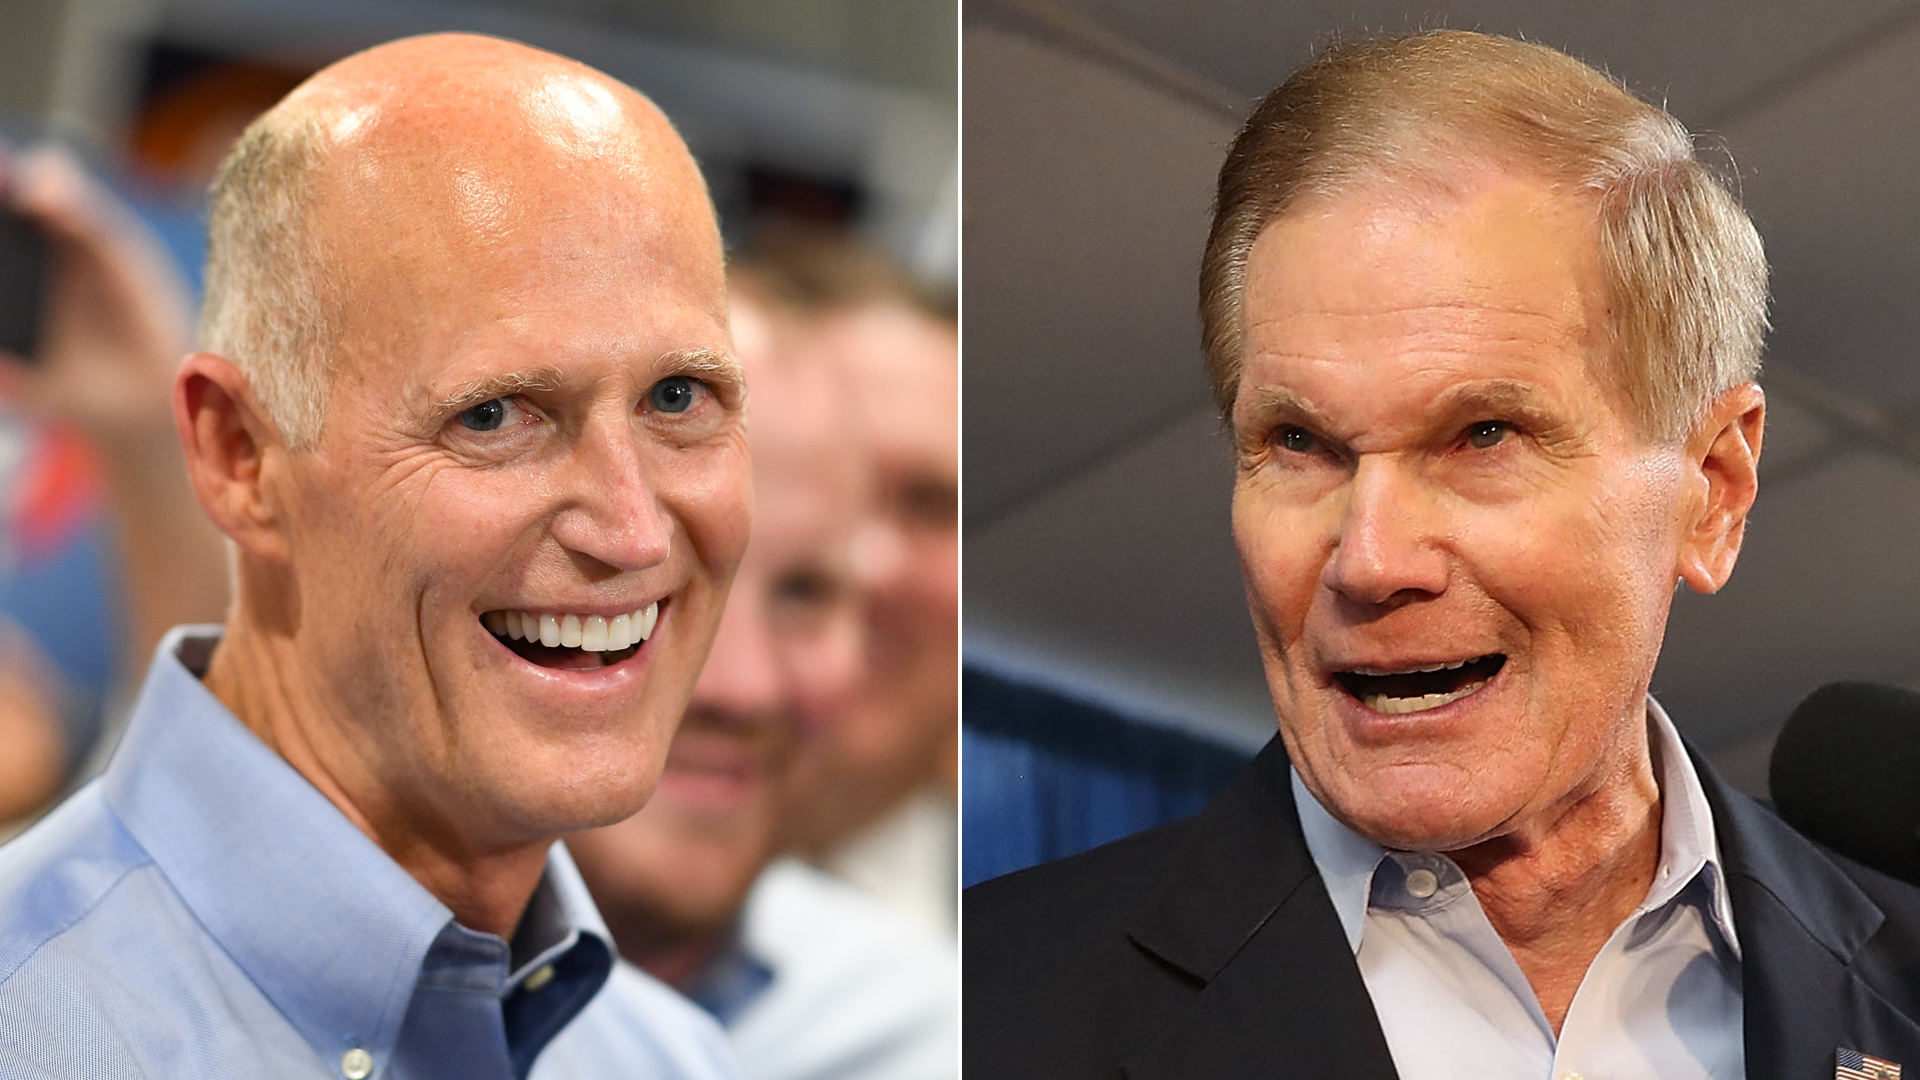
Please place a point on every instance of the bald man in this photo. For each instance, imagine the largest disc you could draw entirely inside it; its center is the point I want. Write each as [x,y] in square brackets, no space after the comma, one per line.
[470,420]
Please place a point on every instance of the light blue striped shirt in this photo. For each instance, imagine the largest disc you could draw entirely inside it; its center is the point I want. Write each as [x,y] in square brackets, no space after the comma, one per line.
[203,911]
[1661,1000]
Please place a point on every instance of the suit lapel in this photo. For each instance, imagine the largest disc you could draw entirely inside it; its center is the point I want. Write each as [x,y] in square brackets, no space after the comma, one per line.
[1248,918]
[1802,924]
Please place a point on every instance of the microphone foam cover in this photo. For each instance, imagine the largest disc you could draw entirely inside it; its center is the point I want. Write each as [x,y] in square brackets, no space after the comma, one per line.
[1846,772]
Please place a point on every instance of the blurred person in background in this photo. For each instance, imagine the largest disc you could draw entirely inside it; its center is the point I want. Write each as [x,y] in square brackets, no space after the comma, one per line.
[93,481]
[813,979]
[884,774]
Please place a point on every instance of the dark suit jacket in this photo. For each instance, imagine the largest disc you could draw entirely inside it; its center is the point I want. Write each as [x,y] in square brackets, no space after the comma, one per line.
[1207,948]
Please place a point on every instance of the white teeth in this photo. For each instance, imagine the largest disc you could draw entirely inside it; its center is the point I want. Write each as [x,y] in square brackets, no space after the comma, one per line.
[1384,703]
[593,633]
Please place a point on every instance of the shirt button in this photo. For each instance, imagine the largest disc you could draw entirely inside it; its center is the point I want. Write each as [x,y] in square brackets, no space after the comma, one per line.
[1422,883]
[356,1064]
[541,977]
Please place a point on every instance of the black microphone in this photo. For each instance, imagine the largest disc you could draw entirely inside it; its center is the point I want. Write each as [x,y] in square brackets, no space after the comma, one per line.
[1846,772]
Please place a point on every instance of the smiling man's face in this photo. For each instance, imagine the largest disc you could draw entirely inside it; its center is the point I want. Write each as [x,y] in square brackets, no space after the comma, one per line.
[1459,551]
[535,424]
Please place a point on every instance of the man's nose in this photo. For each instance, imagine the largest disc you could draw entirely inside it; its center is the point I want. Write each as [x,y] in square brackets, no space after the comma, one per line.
[616,515]
[880,557]
[743,676]
[1387,549]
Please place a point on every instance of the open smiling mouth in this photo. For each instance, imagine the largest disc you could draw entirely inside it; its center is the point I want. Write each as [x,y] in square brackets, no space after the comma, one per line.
[572,642]
[1420,689]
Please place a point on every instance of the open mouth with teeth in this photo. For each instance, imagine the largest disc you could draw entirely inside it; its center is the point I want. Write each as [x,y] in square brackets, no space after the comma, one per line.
[1422,688]
[572,642]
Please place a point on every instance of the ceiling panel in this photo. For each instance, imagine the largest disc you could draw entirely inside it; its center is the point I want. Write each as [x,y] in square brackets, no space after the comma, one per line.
[1832,178]
[1703,57]
[1124,581]
[1795,440]
[1086,205]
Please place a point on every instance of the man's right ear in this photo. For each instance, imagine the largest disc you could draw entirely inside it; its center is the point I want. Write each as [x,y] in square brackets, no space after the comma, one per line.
[233,454]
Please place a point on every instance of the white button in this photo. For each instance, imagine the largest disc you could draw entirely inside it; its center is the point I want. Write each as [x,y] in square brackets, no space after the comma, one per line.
[356,1064]
[1422,882]
[541,977]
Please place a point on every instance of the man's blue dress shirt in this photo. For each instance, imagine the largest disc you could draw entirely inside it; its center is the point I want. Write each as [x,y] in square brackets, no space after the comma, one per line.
[203,911]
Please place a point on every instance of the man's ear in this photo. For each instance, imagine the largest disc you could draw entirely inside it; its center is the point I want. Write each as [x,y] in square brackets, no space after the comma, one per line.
[233,452]
[1724,456]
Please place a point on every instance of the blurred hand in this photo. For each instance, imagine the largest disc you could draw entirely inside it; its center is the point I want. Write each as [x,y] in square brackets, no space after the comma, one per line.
[115,325]
[33,743]
[116,320]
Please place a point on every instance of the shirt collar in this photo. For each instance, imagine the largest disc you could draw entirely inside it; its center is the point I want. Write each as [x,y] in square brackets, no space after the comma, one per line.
[1688,847]
[324,922]
[559,915]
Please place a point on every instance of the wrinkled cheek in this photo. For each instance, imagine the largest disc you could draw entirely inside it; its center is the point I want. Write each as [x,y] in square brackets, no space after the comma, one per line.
[1279,591]
[1277,570]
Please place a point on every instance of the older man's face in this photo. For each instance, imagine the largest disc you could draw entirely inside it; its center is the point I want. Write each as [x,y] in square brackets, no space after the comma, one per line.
[534,429]
[1459,552]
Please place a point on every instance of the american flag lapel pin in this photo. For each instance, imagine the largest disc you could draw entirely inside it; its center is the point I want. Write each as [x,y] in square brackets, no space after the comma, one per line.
[1854,1065]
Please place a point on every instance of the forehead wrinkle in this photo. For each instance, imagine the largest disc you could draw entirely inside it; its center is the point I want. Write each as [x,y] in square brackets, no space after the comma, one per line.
[1372,310]
[1481,320]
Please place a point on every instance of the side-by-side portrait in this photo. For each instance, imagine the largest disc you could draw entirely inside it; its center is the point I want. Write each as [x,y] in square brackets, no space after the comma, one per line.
[922,539]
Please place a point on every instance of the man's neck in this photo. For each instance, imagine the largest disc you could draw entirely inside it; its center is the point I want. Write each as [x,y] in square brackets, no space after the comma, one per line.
[257,675]
[1556,893]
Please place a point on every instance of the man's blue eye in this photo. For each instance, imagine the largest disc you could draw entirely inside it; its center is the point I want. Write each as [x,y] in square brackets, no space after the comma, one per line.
[672,395]
[1297,439]
[485,416]
[1488,433]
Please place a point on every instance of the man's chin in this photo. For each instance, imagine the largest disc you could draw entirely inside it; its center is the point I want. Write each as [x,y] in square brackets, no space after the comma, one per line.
[1417,819]
[591,791]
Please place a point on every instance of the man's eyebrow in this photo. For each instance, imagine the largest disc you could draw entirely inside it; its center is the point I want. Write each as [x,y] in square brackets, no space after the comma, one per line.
[503,384]
[1497,398]
[1266,402]
[719,368]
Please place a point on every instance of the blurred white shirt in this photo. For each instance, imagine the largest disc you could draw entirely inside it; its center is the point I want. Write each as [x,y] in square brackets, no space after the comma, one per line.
[909,860]
[856,991]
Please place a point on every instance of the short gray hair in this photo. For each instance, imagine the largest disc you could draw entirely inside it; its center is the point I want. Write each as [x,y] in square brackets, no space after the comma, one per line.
[1686,276]
[270,303]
